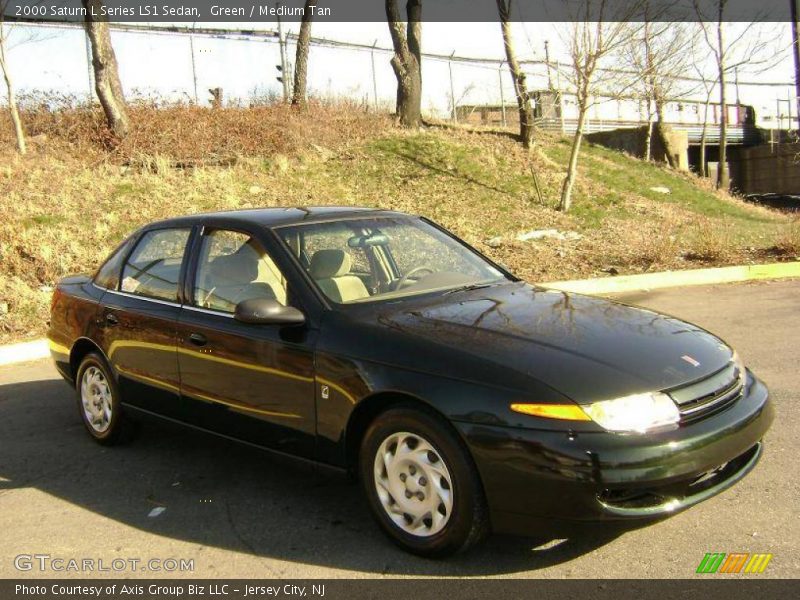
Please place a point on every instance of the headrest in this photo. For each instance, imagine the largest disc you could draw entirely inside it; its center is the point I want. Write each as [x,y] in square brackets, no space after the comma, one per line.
[237,268]
[329,263]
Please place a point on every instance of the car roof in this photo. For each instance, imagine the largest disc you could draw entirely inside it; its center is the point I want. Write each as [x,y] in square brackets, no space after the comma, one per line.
[277,216]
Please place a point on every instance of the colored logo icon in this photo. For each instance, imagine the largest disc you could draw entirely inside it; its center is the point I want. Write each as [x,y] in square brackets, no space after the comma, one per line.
[737,562]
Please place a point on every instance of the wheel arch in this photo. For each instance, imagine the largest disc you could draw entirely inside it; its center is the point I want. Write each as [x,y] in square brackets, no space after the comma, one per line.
[372,406]
[366,411]
[80,349]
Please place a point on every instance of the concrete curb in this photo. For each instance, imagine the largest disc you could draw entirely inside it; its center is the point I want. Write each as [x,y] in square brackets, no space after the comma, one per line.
[38,349]
[654,281]
[24,352]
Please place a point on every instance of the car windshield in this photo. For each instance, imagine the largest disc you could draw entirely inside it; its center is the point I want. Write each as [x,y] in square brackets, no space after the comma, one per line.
[363,260]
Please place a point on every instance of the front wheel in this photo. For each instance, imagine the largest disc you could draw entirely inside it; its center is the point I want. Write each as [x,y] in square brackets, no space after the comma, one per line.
[421,484]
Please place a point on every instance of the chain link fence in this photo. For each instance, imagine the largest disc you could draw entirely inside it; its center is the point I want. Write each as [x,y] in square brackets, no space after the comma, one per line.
[183,63]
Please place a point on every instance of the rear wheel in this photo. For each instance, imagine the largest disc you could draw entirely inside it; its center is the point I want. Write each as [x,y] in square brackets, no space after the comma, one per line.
[98,401]
[421,484]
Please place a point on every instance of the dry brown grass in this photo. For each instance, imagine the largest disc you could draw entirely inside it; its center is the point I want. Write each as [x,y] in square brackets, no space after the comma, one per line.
[788,241]
[711,242]
[185,134]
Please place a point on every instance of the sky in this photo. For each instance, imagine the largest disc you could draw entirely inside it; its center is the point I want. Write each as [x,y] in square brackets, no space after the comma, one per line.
[161,65]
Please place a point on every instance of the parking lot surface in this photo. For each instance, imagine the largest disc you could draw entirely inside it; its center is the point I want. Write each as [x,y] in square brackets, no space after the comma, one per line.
[237,512]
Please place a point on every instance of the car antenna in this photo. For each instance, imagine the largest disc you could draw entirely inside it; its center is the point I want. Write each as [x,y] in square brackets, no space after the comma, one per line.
[304,209]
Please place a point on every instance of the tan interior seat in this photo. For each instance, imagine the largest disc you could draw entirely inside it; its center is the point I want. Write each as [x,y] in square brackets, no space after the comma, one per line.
[331,270]
[232,279]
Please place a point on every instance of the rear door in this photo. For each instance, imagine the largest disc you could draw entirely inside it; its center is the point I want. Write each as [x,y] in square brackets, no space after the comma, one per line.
[138,321]
[251,382]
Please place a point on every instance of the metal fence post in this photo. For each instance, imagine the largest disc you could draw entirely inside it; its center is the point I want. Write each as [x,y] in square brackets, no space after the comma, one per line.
[194,67]
[453,114]
[502,95]
[560,97]
[90,98]
[547,64]
[374,76]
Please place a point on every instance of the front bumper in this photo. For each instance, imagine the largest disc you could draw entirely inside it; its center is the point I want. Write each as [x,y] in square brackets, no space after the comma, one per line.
[534,475]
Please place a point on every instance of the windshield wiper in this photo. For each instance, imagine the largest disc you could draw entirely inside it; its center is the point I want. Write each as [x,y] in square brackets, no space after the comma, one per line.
[468,288]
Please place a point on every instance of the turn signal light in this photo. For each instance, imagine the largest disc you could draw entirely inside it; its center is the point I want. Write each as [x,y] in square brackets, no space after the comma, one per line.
[566,412]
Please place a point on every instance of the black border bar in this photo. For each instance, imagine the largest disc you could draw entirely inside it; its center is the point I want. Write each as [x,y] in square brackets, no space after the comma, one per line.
[709,587]
[443,11]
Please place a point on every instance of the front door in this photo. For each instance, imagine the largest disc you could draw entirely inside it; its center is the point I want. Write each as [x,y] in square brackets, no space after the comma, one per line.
[251,382]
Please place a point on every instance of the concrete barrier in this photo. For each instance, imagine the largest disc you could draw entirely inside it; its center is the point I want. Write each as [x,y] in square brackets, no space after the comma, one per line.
[766,169]
[633,141]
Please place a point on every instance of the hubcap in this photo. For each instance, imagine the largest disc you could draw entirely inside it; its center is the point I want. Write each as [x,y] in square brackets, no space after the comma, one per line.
[96,399]
[413,484]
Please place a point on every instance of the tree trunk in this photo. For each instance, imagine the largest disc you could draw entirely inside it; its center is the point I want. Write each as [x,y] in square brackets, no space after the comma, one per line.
[722,170]
[648,138]
[663,131]
[572,169]
[409,98]
[19,132]
[520,86]
[106,72]
[301,57]
[649,87]
[407,60]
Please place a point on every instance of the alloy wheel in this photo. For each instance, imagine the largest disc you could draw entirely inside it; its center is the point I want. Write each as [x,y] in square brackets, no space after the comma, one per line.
[96,399]
[413,484]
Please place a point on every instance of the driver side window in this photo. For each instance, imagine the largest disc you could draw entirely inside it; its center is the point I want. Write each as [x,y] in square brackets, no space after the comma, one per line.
[234,267]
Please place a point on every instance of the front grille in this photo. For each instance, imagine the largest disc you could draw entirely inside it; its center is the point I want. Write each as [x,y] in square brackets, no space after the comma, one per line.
[709,396]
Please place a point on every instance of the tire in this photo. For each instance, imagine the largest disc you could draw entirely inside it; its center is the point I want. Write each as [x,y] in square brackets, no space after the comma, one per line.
[98,401]
[421,484]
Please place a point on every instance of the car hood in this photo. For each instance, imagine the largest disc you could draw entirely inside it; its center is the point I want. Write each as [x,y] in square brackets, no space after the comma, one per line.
[585,348]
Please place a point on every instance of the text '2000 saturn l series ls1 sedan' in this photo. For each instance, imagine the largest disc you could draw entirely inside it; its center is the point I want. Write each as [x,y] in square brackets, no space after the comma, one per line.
[464,399]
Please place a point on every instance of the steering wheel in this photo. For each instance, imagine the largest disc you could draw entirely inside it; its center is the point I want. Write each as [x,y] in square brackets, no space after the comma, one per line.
[407,277]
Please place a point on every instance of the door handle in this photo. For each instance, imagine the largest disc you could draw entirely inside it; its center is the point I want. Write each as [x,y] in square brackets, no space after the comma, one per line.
[198,339]
[112,319]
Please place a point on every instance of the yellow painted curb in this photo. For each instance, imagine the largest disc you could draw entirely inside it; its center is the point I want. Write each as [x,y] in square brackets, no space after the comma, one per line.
[654,281]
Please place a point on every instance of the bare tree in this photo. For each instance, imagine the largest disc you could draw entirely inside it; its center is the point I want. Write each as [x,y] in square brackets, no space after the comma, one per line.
[662,56]
[597,34]
[517,74]
[301,57]
[455,100]
[19,131]
[106,72]
[709,85]
[719,50]
[746,49]
[407,60]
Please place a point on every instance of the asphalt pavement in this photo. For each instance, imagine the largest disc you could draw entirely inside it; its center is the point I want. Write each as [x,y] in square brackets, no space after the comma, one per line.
[239,513]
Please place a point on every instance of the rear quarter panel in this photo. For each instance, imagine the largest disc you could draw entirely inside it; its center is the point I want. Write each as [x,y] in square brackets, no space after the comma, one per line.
[72,317]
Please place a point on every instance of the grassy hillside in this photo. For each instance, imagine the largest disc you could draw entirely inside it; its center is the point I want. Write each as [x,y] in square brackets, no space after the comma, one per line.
[63,207]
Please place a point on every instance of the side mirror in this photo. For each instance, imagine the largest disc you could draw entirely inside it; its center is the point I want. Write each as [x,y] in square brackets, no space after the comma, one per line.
[264,311]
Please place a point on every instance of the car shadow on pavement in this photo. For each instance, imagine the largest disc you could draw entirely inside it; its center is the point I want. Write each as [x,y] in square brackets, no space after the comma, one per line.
[225,495]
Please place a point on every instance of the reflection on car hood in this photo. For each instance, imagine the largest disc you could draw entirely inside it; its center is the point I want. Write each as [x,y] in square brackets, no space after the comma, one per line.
[586,348]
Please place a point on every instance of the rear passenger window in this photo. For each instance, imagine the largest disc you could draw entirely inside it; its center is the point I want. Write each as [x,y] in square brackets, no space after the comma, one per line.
[108,275]
[154,267]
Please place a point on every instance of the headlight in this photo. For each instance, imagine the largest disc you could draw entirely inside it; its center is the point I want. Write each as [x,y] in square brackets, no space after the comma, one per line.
[638,413]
